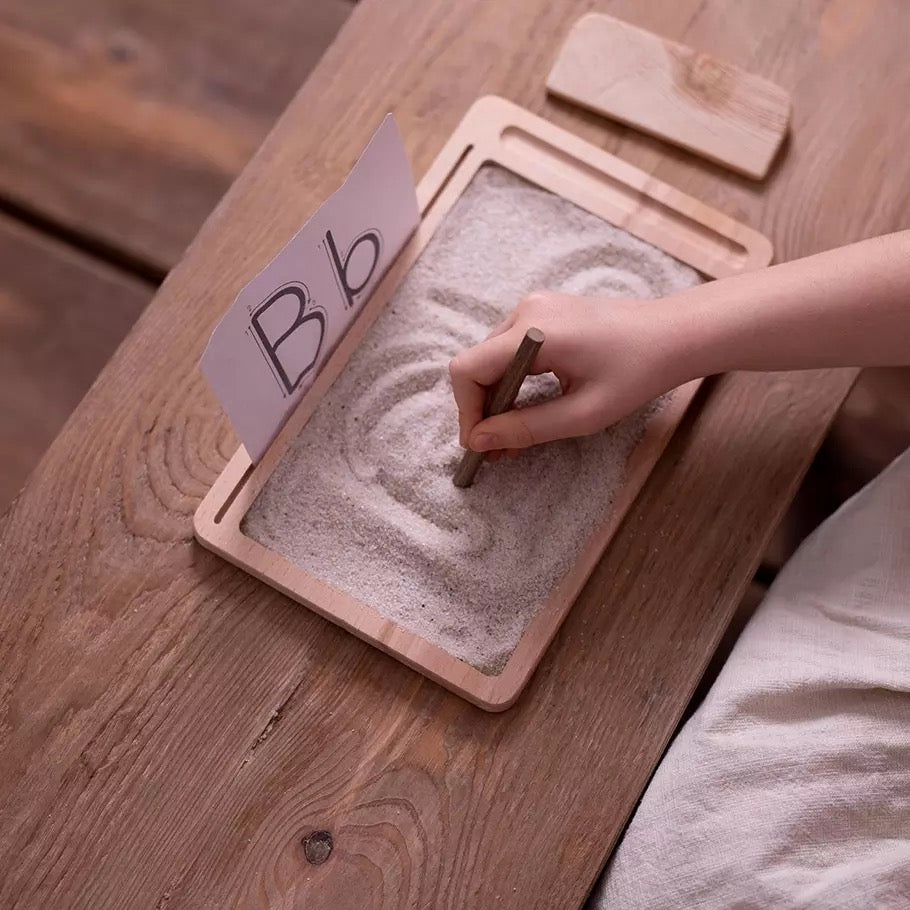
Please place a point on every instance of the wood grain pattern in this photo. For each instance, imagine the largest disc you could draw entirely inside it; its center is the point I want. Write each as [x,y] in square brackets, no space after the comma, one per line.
[703,104]
[493,130]
[62,315]
[126,121]
[171,728]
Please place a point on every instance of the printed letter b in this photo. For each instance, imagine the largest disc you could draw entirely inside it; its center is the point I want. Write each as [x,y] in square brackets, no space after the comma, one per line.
[291,342]
[342,266]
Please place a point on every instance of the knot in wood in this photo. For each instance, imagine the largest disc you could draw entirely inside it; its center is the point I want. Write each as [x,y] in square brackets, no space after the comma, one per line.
[317,847]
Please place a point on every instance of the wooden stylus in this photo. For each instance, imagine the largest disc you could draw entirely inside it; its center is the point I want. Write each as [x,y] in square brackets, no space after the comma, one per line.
[501,399]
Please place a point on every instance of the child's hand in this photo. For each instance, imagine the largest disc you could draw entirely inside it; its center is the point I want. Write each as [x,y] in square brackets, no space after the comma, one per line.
[610,357]
[846,307]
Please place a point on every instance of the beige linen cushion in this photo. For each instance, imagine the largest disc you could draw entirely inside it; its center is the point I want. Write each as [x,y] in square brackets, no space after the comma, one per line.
[790,786]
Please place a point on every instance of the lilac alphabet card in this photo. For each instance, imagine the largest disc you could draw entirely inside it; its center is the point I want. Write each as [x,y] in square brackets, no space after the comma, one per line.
[283,326]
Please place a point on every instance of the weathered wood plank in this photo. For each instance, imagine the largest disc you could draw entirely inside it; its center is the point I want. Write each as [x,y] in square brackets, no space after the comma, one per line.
[127,121]
[62,314]
[172,728]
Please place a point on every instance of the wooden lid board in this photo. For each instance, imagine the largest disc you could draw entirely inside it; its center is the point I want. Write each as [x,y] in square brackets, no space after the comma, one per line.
[671,91]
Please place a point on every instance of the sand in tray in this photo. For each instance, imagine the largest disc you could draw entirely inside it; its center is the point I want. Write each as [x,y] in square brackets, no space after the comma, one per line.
[364,498]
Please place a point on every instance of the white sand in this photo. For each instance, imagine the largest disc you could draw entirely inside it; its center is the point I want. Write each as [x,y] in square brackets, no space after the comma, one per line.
[364,499]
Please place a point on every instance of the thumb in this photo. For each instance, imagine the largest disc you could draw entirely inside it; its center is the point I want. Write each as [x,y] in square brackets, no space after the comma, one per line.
[573,414]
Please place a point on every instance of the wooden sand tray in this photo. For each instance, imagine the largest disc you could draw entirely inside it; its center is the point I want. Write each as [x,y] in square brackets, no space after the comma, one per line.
[493,131]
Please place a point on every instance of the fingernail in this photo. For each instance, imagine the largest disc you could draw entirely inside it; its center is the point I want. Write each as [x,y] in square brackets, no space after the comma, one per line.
[483,442]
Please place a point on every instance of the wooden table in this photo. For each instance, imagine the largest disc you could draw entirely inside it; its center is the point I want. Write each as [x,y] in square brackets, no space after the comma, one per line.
[122,123]
[170,729]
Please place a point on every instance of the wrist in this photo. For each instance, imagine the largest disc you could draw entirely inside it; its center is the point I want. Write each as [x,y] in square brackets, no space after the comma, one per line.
[686,344]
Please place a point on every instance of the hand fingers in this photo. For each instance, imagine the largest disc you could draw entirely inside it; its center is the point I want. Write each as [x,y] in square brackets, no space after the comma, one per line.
[503,326]
[475,369]
[569,415]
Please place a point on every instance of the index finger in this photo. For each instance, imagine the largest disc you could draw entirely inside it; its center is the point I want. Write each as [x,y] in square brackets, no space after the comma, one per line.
[472,371]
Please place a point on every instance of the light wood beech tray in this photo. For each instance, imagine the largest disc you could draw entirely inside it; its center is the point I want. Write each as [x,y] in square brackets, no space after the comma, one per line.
[493,131]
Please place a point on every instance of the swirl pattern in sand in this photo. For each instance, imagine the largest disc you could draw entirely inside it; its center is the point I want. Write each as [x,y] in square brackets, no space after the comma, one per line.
[364,498]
